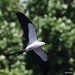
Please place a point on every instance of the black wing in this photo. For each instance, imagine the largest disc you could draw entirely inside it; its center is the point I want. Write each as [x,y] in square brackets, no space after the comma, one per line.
[24,24]
[28,28]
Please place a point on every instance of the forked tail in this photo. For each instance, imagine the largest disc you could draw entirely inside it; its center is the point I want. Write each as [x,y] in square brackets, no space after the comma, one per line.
[16,53]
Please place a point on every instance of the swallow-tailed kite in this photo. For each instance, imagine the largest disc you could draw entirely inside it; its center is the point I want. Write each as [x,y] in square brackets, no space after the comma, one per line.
[31,42]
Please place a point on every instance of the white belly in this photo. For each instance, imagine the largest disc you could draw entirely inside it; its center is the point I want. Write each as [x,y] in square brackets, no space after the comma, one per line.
[34,45]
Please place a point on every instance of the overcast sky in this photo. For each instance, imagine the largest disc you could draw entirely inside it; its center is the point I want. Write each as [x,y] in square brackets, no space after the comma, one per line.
[23,0]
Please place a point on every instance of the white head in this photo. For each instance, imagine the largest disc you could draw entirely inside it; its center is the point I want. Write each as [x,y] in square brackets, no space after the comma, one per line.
[42,43]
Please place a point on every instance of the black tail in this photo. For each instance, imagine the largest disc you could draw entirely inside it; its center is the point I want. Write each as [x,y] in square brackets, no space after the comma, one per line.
[16,53]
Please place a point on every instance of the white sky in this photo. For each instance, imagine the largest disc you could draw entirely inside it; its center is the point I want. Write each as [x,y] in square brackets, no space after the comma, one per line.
[23,0]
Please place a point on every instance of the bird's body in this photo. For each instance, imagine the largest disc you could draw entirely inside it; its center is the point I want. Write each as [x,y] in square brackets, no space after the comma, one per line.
[34,45]
[31,42]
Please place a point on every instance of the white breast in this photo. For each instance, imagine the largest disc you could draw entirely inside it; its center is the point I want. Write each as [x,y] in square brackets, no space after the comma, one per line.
[33,45]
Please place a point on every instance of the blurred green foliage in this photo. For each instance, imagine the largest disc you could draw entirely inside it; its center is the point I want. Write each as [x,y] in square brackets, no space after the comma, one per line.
[55,23]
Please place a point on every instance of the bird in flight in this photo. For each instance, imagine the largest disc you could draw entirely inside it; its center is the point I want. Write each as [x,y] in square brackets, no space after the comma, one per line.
[31,42]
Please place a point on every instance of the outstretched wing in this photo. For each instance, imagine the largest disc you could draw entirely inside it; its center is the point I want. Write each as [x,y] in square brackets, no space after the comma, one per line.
[41,53]
[28,27]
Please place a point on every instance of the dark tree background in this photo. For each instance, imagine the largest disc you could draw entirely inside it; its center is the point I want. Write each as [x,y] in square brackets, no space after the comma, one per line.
[55,23]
